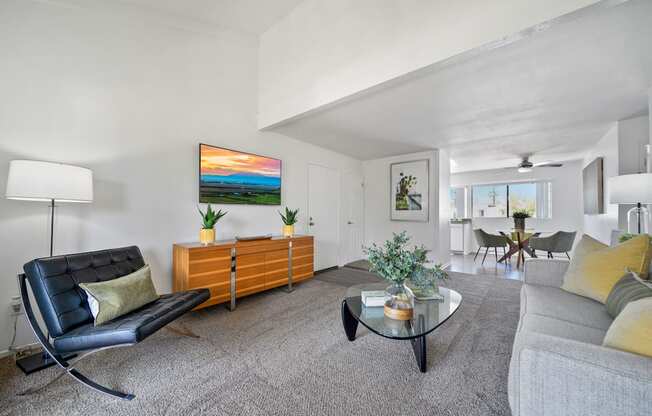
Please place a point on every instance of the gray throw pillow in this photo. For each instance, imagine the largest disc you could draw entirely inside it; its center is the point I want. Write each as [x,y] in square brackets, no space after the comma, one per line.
[628,289]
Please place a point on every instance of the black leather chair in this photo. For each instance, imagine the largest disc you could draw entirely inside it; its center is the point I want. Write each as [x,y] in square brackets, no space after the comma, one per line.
[55,284]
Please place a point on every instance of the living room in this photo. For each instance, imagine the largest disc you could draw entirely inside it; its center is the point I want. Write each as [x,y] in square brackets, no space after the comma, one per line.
[363,118]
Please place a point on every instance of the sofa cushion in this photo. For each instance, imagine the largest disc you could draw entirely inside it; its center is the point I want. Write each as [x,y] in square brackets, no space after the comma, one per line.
[632,330]
[559,304]
[596,267]
[562,329]
[628,289]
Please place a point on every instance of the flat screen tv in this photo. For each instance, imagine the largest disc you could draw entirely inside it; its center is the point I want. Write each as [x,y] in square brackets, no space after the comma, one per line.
[231,177]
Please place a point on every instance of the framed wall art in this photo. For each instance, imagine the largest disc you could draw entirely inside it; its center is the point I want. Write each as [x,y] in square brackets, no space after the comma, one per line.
[410,191]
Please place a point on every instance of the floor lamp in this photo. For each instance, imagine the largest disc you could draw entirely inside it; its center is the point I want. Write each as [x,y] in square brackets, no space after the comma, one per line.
[31,180]
[633,189]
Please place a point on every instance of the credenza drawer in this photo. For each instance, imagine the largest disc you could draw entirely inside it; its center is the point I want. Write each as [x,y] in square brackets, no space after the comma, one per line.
[207,279]
[209,253]
[218,264]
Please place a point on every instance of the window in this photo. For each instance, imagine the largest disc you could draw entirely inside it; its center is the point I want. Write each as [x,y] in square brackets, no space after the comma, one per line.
[490,201]
[500,200]
[523,197]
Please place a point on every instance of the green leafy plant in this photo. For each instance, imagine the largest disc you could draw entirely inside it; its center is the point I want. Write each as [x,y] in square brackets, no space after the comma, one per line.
[628,236]
[394,262]
[210,217]
[520,213]
[290,217]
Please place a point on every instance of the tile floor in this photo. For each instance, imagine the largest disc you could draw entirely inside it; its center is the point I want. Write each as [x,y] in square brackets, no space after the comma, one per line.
[464,263]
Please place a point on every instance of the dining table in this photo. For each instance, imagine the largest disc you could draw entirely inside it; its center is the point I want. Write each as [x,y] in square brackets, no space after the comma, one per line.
[519,244]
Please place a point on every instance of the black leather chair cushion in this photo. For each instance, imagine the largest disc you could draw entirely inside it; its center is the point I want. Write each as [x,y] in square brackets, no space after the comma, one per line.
[133,327]
[55,283]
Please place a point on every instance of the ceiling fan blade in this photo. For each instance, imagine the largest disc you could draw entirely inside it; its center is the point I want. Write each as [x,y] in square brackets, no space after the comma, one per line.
[548,164]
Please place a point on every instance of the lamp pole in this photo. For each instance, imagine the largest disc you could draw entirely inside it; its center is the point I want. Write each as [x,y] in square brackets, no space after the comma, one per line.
[51,227]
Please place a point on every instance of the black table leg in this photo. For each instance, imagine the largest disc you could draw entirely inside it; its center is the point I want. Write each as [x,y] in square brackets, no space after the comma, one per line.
[419,346]
[349,322]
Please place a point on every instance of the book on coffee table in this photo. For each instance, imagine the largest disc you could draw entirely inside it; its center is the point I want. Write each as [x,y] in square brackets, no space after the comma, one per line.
[373,298]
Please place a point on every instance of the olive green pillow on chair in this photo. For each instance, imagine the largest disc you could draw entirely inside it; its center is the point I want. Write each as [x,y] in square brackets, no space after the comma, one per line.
[113,298]
[628,289]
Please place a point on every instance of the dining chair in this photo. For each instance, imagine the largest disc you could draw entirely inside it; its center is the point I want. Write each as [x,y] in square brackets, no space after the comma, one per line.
[484,239]
[559,242]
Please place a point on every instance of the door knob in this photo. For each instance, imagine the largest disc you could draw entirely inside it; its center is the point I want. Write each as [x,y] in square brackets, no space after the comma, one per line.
[311,223]
[349,222]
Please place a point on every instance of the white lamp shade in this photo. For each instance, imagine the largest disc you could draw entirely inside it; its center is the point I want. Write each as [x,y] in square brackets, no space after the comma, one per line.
[631,189]
[32,180]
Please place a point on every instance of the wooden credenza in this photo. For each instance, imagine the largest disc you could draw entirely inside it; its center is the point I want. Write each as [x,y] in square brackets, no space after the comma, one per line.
[232,269]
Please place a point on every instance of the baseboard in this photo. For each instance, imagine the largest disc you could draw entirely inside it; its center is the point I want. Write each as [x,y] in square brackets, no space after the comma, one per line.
[326,270]
[8,353]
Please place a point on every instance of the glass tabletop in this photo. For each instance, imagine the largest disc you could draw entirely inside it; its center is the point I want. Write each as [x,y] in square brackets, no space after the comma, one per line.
[428,314]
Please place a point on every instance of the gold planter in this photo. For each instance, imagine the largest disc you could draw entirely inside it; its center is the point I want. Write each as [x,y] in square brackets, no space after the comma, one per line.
[207,236]
[288,230]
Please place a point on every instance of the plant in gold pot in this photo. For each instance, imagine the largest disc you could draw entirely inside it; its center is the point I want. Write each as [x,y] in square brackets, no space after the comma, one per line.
[519,216]
[209,219]
[394,262]
[289,219]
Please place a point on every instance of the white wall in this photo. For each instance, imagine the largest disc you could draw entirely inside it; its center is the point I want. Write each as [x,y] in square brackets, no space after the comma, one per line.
[129,99]
[566,196]
[379,227]
[633,135]
[623,153]
[324,51]
[600,226]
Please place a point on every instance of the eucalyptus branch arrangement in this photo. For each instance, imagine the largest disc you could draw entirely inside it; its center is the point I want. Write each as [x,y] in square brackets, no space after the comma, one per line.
[394,262]
[210,217]
[290,217]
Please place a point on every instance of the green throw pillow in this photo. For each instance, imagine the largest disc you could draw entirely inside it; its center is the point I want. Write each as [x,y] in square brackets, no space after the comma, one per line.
[113,298]
[628,289]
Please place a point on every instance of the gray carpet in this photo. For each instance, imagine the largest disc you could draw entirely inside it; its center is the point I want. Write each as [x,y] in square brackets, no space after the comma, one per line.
[286,354]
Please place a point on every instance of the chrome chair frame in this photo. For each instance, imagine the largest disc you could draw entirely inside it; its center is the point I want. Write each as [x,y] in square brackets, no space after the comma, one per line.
[69,367]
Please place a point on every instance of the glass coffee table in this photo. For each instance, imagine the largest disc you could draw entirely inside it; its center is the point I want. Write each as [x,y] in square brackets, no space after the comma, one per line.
[428,315]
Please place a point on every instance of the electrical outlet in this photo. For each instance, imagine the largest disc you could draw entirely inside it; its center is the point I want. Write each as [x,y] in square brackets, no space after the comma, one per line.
[16,305]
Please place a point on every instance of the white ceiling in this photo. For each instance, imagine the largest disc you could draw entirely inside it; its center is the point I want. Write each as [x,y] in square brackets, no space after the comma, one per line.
[553,94]
[251,16]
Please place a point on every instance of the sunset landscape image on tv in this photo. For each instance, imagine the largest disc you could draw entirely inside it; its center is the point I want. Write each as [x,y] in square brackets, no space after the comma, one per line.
[231,177]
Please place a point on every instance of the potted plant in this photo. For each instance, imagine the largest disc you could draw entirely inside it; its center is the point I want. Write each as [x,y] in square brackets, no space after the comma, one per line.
[395,263]
[519,216]
[423,282]
[289,219]
[209,219]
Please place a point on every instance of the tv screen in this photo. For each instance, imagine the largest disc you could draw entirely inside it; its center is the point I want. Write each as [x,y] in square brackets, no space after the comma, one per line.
[232,177]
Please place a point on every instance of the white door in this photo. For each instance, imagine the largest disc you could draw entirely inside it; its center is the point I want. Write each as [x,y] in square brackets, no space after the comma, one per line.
[351,222]
[323,212]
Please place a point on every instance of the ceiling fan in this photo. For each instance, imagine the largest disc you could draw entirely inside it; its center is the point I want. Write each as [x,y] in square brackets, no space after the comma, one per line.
[526,166]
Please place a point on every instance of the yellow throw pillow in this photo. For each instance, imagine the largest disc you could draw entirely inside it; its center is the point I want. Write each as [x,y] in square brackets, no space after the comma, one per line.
[596,267]
[632,329]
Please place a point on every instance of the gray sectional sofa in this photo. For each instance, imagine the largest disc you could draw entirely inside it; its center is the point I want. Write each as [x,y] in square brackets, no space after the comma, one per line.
[559,366]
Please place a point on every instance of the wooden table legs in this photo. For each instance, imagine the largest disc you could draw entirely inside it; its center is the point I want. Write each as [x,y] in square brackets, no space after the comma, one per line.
[518,247]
